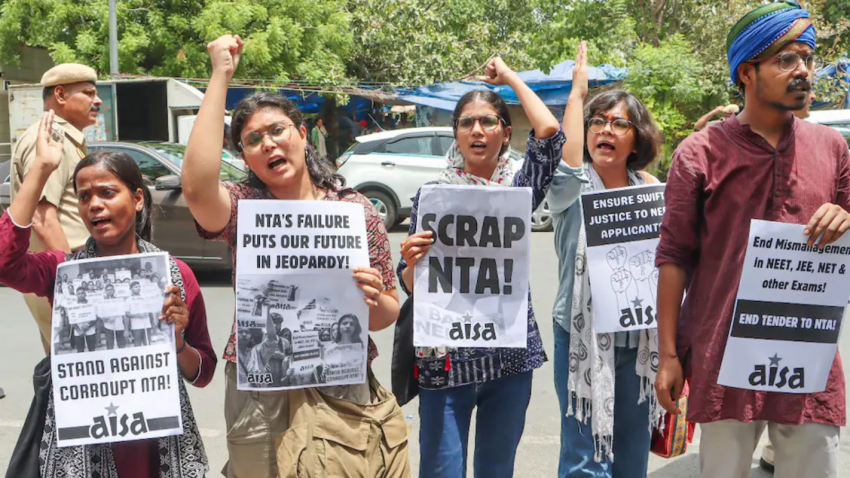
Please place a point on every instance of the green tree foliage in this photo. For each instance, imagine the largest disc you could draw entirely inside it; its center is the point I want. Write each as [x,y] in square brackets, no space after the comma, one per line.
[285,39]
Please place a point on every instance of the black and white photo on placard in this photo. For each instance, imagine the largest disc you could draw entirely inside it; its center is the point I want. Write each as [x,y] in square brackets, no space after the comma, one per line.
[301,320]
[114,366]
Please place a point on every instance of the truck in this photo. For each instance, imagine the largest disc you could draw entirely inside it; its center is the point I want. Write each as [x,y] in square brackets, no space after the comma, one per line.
[135,109]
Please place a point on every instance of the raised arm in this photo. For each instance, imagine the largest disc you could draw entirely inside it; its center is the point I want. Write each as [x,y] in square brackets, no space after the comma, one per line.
[703,121]
[573,152]
[207,199]
[542,120]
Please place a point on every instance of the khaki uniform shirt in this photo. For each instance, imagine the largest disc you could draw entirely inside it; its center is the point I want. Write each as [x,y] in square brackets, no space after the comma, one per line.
[59,189]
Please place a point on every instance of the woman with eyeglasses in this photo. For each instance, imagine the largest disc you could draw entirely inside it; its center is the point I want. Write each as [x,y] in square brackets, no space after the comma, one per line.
[453,382]
[270,133]
[607,399]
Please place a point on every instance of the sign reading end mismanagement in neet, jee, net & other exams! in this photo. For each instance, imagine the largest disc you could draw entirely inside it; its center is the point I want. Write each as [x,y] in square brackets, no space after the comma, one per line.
[788,312]
[471,289]
[125,387]
[301,320]
[622,227]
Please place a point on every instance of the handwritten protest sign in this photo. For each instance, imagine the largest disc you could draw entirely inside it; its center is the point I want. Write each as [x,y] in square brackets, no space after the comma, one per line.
[622,227]
[294,279]
[106,395]
[472,286]
[788,312]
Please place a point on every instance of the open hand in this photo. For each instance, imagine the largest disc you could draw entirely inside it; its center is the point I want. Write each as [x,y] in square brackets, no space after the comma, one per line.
[225,53]
[48,146]
[580,83]
[496,72]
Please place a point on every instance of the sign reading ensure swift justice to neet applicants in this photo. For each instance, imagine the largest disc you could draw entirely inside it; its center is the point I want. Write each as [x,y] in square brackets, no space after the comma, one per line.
[622,227]
[788,313]
[125,387]
[471,289]
[295,295]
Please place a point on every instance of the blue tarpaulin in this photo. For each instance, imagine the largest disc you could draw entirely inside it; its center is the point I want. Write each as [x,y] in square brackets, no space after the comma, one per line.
[835,73]
[553,88]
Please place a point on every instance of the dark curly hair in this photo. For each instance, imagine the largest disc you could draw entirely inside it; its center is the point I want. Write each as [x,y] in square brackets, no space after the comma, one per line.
[321,173]
[647,136]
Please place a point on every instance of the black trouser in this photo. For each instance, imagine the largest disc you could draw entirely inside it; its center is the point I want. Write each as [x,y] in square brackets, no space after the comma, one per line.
[113,336]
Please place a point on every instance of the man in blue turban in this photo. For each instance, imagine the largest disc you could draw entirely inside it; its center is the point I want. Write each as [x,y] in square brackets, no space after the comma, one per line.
[766,164]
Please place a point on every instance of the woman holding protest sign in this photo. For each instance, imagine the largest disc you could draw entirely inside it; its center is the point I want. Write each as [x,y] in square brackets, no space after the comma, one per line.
[270,133]
[115,206]
[452,382]
[605,392]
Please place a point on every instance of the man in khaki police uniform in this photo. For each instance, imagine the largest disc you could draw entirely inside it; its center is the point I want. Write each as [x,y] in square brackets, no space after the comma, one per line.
[70,91]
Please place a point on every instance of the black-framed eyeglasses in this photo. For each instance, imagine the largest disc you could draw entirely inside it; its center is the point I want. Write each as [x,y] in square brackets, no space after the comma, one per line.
[488,122]
[619,126]
[253,141]
[790,60]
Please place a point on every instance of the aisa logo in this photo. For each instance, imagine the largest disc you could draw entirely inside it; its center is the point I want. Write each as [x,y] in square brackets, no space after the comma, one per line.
[774,376]
[118,425]
[466,330]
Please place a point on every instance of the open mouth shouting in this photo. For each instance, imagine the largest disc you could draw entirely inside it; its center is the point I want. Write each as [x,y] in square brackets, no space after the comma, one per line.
[606,146]
[100,223]
[478,147]
[277,163]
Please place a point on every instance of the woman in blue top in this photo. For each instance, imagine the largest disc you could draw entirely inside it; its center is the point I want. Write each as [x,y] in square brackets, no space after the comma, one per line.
[453,382]
[604,381]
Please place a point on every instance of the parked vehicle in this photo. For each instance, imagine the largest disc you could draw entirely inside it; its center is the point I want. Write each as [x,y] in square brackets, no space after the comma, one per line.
[390,166]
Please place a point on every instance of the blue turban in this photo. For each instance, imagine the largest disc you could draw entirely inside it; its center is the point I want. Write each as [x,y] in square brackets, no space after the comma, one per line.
[766,30]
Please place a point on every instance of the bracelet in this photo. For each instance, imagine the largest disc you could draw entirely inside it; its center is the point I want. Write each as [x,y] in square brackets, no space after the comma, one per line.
[182,348]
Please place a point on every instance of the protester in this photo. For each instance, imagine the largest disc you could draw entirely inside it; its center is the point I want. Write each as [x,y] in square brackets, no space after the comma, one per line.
[84,334]
[70,91]
[452,382]
[763,164]
[319,134]
[348,330]
[111,192]
[270,133]
[605,395]
[116,326]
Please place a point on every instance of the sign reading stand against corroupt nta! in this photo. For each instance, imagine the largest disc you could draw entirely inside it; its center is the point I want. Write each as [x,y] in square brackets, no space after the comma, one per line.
[622,227]
[788,312]
[301,320]
[126,387]
[471,289]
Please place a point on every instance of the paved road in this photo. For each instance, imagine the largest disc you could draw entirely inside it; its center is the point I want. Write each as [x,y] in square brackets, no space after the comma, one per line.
[538,452]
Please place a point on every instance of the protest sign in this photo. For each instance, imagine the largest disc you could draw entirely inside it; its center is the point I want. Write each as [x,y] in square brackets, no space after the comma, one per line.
[80,313]
[123,275]
[622,227]
[104,396]
[294,280]
[472,286]
[788,312]
[138,304]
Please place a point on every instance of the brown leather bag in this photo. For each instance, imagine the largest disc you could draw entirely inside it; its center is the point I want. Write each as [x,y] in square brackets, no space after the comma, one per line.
[335,438]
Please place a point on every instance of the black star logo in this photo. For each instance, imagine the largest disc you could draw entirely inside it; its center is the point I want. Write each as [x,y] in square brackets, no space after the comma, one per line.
[111,409]
[637,302]
[774,360]
[466,317]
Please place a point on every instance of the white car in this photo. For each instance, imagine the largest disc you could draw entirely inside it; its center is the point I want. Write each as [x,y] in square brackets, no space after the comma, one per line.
[389,168]
[838,119]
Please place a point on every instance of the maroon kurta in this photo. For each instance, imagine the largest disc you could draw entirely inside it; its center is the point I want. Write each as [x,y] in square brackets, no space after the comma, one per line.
[721,178]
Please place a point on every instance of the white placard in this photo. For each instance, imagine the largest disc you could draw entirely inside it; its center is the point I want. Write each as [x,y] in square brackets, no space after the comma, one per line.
[123,275]
[104,396]
[111,308]
[294,280]
[622,227]
[471,289]
[788,312]
[81,313]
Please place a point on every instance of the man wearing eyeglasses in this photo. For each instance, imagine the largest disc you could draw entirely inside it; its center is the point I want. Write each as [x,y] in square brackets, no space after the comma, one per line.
[761,164]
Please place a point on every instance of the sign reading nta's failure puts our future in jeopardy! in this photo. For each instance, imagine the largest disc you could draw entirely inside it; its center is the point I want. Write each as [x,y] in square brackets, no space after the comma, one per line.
[788,312]
[301,320]
[622,228]
[471,289]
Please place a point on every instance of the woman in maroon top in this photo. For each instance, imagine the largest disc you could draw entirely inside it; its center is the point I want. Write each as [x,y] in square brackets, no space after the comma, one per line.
[270,134]
[115,206]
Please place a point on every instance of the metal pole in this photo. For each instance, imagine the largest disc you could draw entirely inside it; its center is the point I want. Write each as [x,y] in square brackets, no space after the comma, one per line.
[113,39]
